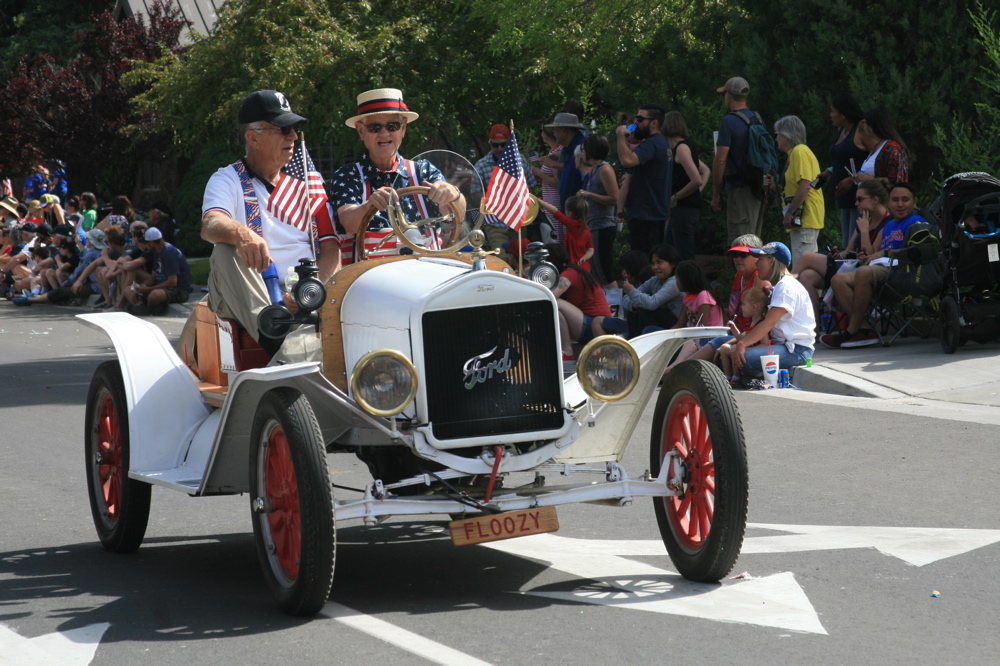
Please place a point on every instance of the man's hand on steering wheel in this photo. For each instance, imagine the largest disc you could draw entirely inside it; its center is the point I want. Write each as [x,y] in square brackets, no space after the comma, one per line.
[253,250]
[441,193]
[380,198]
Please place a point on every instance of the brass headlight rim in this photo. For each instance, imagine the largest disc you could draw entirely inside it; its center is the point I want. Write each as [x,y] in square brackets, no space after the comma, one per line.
[588,350]
[379,353]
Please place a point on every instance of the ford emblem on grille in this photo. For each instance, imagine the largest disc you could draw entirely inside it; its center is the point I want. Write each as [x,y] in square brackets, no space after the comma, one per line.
[477,372]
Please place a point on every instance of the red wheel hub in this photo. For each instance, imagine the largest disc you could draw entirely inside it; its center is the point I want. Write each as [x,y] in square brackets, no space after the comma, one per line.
[109,457]
[687,433]
[283,491]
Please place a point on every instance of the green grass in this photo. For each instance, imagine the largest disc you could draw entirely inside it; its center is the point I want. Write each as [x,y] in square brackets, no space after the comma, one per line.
[199,270]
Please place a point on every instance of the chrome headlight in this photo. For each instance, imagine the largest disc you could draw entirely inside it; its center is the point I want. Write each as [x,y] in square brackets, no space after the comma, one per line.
[545,274]
[608,368]
[384,382]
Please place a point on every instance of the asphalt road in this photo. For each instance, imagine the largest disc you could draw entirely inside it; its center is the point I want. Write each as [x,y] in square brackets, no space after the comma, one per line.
[857,515]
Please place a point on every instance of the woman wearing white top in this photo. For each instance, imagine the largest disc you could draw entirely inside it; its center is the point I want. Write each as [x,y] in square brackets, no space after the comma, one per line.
[789,323]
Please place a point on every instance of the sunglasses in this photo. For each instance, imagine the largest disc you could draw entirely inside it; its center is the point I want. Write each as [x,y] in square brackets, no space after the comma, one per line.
[285,131]
[861,199]
[375,128]
[640,119]
[499,144]
[737,255]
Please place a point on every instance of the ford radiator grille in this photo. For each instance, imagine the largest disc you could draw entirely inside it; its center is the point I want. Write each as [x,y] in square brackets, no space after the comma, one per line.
[492,370]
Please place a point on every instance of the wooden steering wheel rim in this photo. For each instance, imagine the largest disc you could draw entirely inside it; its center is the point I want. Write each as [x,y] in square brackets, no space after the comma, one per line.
[359,240]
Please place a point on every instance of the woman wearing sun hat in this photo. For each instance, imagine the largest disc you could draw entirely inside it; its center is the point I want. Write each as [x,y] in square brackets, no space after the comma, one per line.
[789,323]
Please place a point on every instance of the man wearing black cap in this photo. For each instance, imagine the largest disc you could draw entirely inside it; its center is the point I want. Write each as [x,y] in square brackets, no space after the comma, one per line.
[743,203]
[236,218]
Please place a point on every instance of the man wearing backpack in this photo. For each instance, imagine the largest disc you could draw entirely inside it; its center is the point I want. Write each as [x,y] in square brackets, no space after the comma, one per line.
[741,132]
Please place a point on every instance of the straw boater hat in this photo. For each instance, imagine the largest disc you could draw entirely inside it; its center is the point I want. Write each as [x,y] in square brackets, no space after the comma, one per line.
[382,100]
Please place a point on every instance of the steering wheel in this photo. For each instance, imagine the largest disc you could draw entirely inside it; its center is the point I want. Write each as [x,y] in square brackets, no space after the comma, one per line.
[451,240]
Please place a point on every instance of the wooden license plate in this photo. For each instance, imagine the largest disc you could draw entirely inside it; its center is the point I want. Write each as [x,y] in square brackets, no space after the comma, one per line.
[503,525]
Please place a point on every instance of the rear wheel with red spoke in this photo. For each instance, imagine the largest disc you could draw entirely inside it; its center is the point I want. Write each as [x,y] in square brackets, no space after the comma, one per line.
[119,505]
[698,434]
[292,502]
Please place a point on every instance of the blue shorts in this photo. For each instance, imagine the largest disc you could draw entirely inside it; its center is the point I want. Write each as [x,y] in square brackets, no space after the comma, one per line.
[718,342]
[587,332]
[615,326]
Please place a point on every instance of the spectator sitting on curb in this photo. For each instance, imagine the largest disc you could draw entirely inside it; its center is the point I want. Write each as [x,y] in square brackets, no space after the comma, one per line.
[132,266]
[656,302]
[170,281]
[789,320]
[114,236]
[72,290]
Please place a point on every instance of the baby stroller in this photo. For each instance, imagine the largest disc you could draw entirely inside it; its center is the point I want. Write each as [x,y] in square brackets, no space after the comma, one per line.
[968,216]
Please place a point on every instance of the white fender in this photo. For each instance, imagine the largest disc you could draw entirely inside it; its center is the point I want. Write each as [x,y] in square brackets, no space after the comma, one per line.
[165,406]
[609,434]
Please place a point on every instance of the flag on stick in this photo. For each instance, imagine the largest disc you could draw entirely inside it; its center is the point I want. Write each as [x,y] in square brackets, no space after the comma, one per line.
[299,195]
[507,193]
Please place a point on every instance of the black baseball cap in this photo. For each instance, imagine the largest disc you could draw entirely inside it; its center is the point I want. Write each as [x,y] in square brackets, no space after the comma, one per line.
[271,106]
[44,229]
[29,227]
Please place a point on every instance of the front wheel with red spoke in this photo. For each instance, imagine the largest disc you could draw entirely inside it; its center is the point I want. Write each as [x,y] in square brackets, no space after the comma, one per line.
[292,502]
[119,505]
[697,433]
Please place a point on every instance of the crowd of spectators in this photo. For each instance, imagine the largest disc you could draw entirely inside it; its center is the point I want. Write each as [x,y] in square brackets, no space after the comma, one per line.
[782,288]
[62,249]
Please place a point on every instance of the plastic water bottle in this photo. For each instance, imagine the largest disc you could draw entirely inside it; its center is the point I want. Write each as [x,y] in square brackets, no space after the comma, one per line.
[273,286]
[291,277]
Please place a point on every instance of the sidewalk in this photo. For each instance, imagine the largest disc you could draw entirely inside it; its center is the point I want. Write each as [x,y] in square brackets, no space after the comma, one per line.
[910,367]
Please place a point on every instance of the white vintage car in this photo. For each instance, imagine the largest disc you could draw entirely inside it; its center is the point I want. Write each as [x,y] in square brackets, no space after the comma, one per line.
[442,371]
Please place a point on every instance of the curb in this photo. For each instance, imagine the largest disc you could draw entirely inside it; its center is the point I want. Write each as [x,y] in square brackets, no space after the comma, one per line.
[820,379]
[174,310]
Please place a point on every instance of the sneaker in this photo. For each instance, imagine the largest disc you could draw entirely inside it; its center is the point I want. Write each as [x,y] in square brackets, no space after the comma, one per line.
[21,300]
[26,293]
[736,382]
[100,301]
[833,340]
[757,385]
[863,338]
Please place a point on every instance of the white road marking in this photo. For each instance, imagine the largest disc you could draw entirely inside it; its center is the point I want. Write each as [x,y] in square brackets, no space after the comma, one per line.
[407,640]
[61,648]
[915,545]
[774,601]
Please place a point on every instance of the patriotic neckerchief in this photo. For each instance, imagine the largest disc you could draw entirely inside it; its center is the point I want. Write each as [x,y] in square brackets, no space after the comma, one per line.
[252,207]
[374,237]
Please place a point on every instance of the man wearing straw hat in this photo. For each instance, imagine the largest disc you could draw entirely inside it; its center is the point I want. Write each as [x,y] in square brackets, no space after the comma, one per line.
[356,188]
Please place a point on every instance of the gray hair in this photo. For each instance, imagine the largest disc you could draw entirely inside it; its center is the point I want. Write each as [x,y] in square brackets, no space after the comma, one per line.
[243,128]
[747,240]
[792,128]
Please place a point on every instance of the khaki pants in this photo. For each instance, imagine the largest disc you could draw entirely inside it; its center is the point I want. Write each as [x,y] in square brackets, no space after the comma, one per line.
[237,292]
[743,213]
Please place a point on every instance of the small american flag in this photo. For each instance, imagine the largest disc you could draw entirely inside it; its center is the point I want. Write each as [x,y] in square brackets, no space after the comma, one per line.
[8,189]
[507,193]
[287,202]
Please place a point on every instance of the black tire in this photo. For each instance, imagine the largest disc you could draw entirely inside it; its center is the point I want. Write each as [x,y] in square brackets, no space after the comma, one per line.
[296,541]
[951,327]
[118,504]
[696,392]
